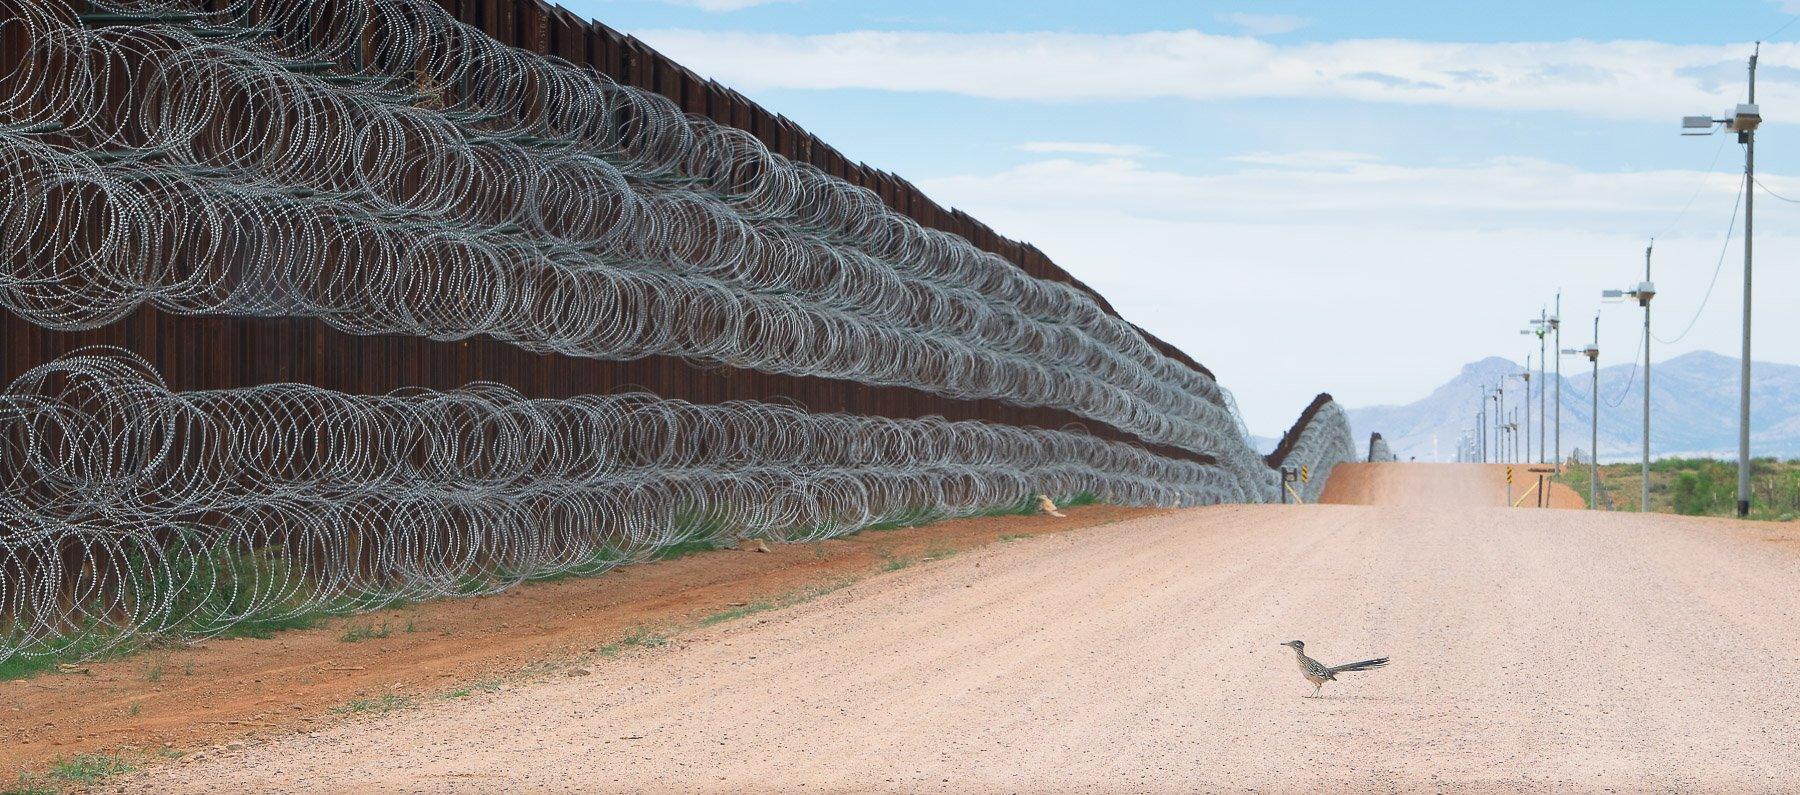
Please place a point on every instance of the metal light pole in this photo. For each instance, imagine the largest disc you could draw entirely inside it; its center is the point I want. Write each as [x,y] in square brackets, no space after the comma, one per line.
[1593,355]
[1743,121]
[1541,328]
[1749,136]
[1481,449]
[1556,327]
[1512,430]
[1500,419]
[1527,406]
[1542,420]
[1645,291]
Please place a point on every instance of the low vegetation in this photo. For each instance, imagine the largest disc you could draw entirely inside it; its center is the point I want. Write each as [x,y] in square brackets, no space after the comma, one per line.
[789,599]
[358,632]
[377,705]
[80,771]
[1696,487]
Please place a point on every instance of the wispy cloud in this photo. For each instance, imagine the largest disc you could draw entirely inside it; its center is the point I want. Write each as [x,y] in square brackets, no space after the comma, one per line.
[1268,24]
[1343,189]
[1619,79]
[1086,148]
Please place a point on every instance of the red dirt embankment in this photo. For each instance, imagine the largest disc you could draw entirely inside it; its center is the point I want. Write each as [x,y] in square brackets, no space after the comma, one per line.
[304,679]
[1467,485]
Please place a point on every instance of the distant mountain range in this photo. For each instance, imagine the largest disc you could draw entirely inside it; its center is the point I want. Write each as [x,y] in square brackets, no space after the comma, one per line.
[1693,409]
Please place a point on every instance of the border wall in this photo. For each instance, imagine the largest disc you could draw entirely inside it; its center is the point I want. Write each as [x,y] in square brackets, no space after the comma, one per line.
[317,305]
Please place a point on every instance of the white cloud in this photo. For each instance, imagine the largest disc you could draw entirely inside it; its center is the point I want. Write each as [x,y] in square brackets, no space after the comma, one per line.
[1330,188]
[1268,24]
[1619,79]
[1376,281]
[1086,148]
[724,5]
[1304,158]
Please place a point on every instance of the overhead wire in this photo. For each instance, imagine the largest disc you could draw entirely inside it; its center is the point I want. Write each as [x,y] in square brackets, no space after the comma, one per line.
[1717,269]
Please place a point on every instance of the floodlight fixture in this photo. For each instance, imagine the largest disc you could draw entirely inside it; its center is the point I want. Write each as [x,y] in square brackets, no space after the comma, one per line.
[1698,125]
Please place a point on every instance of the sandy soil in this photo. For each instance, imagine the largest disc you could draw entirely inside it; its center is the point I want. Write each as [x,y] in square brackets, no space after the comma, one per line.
[247,689]
[1533,650]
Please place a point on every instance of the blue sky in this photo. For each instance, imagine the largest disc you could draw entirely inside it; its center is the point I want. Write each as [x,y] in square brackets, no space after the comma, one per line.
[1395,185]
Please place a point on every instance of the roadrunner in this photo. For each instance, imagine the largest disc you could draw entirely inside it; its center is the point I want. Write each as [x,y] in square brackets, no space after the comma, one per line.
[1318,673]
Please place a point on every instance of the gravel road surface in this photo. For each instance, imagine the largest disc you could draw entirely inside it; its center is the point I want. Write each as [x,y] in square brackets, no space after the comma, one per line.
[1537,650]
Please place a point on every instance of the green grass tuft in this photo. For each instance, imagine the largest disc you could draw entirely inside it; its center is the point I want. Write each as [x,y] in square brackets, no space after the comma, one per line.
[683,549]
[357,633]
[736,613]
[20,666]
[377,706]
[89,768]
[1079,499]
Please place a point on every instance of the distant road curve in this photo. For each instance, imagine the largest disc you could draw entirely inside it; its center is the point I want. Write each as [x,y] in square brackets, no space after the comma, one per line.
[1468,485]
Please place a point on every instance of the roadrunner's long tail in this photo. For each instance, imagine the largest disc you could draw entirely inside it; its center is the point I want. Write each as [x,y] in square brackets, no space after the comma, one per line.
[1365,665]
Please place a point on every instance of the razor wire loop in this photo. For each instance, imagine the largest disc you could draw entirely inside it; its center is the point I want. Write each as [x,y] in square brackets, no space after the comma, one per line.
[134,511]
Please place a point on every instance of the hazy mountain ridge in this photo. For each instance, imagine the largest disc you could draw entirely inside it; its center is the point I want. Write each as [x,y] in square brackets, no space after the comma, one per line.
[1694,409]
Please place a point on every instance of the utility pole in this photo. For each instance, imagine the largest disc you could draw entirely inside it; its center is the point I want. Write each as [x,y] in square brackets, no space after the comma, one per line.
[1556,327]
[1481,452]
[1500,417]
[1540,326]
[1527,377]
[1512,429]
[1644,296]
[1593,354]
[1645,291]
[1542,420]
[1749,138]
[1743,121]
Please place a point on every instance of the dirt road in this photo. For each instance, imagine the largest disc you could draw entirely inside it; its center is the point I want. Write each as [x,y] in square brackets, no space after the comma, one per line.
[1444,486]
[1532,650]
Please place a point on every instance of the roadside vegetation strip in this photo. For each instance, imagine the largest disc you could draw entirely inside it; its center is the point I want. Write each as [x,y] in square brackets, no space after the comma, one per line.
[1696,487]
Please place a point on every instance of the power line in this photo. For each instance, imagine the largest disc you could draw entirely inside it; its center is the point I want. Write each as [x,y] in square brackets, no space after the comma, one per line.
[1698,189]
[1614,403]
[1716,270]
[1765,189]
[1784,26]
